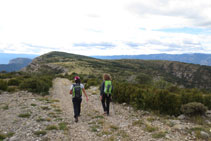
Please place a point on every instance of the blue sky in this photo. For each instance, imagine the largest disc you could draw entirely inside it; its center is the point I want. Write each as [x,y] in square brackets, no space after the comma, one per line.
[105,27]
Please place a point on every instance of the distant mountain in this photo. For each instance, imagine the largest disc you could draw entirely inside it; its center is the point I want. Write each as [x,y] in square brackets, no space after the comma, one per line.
[124,70]
[6,57]
[202,59]
[15,64]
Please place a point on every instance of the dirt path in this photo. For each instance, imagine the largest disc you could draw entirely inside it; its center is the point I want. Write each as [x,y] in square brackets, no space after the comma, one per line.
[123,124]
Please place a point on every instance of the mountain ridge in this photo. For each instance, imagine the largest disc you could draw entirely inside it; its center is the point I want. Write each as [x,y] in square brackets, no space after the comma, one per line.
[183,74]
[195,58]
[15,64]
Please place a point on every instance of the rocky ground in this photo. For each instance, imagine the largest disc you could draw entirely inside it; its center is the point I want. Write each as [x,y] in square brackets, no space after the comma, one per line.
[27,117]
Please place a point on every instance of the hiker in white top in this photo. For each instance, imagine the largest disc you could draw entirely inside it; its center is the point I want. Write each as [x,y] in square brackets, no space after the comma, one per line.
[76,91]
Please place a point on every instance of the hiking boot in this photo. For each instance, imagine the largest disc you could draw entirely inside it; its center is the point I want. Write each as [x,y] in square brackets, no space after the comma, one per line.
[76,119]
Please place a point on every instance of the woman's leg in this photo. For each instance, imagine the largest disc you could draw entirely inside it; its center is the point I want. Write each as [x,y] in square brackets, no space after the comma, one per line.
[74,107]
[108,104]
[79,111]
[103,103]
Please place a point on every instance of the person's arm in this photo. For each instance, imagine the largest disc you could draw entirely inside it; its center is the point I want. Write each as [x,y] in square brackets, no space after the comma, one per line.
[71,89]
[102,91]
[85,94]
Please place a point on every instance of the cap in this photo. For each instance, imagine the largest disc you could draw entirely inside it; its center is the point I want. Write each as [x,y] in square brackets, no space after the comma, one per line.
[76,78]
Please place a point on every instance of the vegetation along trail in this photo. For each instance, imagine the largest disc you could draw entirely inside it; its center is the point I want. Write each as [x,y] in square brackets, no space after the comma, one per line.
[124,123]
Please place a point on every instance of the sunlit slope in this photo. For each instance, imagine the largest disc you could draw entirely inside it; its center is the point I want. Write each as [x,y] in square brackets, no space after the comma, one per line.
[134,71]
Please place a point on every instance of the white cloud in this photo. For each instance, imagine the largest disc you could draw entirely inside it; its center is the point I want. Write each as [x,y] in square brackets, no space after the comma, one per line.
[40,26]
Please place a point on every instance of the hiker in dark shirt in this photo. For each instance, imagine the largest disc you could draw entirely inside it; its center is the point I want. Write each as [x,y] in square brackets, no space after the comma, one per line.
[105,93]
[76,91]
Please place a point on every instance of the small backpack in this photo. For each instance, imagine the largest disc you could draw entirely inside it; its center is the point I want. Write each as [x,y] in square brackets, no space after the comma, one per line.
[77,91]
[108,87]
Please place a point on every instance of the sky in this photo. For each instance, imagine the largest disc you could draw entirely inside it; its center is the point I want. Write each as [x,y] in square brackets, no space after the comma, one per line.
[105,27]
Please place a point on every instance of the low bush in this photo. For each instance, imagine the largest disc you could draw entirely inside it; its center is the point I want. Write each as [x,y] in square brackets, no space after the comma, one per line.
[92,82]
[11,89]
[14,82]
[193,108]
[3,85]
[40,84]
[166,100]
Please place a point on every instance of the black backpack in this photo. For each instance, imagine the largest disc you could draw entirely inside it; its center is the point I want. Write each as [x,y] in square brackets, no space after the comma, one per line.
[77,91]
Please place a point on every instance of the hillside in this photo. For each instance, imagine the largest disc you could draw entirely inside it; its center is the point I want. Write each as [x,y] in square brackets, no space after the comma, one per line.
[15,64]
[134,71]
[196,58]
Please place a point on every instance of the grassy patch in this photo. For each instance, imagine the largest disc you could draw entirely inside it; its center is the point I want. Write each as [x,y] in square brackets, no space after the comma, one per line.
[5,107]
[92,122]
[45,108]
[2,136]
[63,126]
[51,127]
[40,133]
[151,119]
[95,128]
[100,122]
[55,100]
[137,123]
[53,115]
[58,110]
[122,134]
[159,135]
[58,119]
[33,105]
[24,115]
[114,128]
[150,128]
[198,120]
[112,138]
[43,119]
[106,132]
[197,131]
[99,117]
[7,135]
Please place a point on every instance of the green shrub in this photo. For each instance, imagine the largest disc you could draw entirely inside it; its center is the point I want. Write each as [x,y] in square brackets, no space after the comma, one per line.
[161,84]
[207,101]
[193,108]
[164,100]
[92,82]
[13,82]
[39,84]
[11,89]
[167,102]
[143,79]
[3,85]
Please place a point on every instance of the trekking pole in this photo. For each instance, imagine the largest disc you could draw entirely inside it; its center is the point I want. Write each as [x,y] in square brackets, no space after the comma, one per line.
[112,107]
